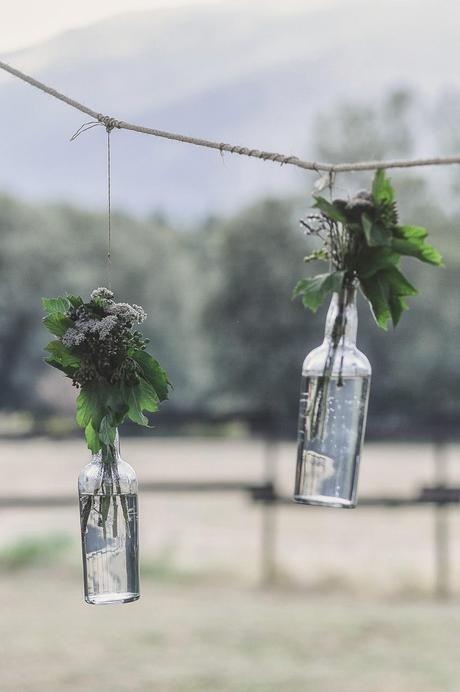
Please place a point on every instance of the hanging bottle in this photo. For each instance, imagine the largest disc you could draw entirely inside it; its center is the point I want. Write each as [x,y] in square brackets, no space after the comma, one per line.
[109,528]
[333,409]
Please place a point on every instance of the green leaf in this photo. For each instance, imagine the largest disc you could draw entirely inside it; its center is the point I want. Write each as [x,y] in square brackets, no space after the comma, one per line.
[320,255]
[148,396]
[411,242]
[385,292]
[398,283]
[372,260]
[153,373]
[382,190]
[375,289]
[56,305]
[62,354]
[329,210]
[58,365]
[141,397]
[114,398]
[135,411]
[92,439]
[313,291]
[375,233]
[75,301]
[57,324]
[89,407]
[397,307]
[107,431]
[411,232]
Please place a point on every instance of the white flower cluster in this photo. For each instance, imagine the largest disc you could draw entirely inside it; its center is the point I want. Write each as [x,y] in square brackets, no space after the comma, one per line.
[119,316]
[101,293]
[101,328]
[126,312]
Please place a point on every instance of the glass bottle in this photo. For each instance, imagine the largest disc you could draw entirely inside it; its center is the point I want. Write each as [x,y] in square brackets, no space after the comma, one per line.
[333,409]
[107,489]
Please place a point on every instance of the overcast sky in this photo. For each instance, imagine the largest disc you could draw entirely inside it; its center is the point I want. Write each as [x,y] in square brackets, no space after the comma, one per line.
[25,22]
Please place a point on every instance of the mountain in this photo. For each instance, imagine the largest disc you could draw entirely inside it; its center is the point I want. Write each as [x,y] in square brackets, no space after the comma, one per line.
[241,72]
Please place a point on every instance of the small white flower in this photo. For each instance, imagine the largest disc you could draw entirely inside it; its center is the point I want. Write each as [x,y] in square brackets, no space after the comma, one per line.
[126,312]
[101,293]
[105,326]
[73,337]
[141,314]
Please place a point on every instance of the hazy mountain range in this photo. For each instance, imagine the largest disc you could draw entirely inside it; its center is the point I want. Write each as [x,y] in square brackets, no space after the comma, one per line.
[241,72]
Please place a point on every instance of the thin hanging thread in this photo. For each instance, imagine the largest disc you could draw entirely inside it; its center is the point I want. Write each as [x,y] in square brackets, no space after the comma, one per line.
[109,210]
[109,124]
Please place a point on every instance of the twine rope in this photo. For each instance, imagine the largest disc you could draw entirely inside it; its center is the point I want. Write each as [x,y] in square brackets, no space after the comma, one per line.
[109,211]
[283,159]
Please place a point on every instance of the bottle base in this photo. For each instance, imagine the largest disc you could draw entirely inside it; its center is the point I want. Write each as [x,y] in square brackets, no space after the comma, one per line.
[112,598]
[325,501]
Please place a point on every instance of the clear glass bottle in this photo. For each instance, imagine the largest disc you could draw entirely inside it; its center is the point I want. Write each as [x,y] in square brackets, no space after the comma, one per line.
[333,409]
[107,488]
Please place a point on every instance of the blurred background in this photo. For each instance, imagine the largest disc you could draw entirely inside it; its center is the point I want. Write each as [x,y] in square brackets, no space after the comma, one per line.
[242,590]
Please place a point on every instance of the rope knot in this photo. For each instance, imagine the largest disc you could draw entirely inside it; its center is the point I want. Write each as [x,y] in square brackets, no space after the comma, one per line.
[108,122]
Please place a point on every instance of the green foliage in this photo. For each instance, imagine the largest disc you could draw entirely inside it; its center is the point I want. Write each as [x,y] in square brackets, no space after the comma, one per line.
[99,349]
[314,290]
[364,243]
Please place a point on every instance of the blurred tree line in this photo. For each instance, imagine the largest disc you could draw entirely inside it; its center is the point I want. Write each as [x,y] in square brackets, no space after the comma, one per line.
[221,319]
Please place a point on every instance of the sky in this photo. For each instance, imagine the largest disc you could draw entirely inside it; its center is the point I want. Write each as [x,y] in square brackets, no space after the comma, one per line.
[25,22]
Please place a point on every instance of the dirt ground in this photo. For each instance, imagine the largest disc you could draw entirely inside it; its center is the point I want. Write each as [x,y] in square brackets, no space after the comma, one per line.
[352,607]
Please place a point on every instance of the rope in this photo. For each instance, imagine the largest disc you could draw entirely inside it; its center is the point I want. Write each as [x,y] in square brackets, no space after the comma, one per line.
[109,210]
[283,159]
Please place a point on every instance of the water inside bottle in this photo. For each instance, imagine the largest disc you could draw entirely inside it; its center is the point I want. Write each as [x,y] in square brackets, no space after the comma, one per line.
[332,419]
[110,548]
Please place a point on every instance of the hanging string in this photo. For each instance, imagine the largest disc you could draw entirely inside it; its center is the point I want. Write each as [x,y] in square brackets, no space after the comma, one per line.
[109,124]
[109,210]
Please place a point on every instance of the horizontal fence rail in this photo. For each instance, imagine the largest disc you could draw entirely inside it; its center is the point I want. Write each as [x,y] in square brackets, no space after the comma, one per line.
[257,492]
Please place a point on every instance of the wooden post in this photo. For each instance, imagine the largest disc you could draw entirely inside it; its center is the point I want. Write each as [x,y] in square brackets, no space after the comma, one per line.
[441,527]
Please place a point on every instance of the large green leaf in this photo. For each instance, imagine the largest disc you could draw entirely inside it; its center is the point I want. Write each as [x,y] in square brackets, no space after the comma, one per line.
[54,306]
[92,439]
[90,407]
[375,289]
[375,233]
[410,241]
[398,283]
[142,397]
[61,354]
[107,431]
[313,291]
[373,259]
[382,190]
[58,365]
[329,210]
[75,301]
[397,307]
[411,232]
[153,373]
[135,410]
[57,324]
[385,292]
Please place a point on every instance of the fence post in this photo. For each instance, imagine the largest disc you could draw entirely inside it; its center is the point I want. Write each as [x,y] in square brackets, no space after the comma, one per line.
[268,529]
[441,527]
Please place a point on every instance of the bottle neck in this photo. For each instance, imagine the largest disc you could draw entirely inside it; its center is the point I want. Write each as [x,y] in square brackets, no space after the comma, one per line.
[342,318]
[109,453]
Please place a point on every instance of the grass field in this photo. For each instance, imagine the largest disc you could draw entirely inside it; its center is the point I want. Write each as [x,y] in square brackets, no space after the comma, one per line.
[352,607]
